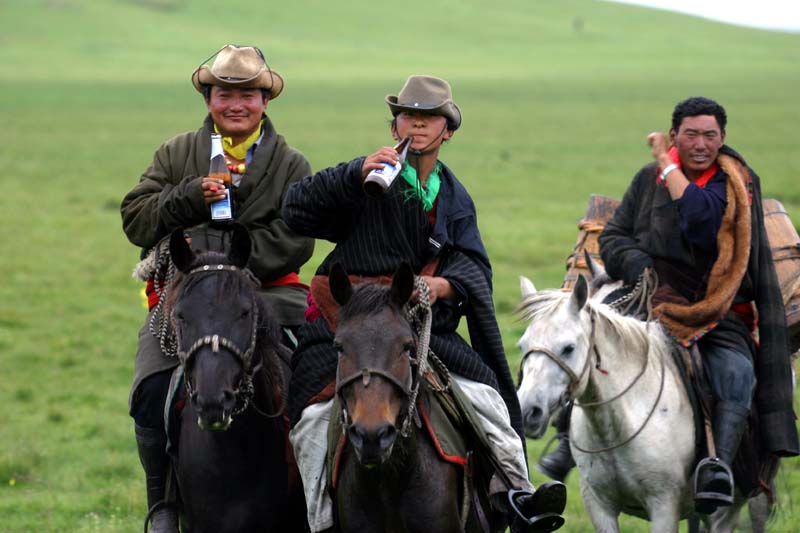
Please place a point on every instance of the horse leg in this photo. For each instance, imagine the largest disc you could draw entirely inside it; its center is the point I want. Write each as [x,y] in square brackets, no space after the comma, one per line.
[605,520]
[759,512]
[664,513]
[724,520]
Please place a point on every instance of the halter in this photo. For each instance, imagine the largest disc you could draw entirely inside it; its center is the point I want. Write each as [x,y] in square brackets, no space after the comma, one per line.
[574,379]
[569,395]
[245,390]
[417,315]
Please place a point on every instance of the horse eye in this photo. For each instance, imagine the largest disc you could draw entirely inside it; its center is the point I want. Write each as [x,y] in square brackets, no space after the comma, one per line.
[245,313]
[179,315]
[568,349]
[409,347]
[338,347]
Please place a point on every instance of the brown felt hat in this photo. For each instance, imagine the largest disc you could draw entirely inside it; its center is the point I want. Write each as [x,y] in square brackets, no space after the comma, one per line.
[242,67]
[427,94]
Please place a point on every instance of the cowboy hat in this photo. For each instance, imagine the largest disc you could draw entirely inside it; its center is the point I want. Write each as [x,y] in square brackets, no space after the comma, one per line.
[241,67]
[427,94]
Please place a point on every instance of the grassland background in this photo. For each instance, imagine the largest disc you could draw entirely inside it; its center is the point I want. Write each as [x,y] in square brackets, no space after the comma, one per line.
[557,98]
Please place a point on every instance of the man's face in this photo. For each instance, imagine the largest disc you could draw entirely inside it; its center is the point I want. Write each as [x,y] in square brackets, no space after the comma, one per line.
[236,112]
[698,141]
[428,130]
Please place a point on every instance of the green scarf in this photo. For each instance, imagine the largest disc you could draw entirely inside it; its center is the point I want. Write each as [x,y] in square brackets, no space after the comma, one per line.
[426,194]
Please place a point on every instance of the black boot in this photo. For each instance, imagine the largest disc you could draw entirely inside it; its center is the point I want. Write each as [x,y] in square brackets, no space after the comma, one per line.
[539,510]
[151,443]
[713,477]
[557,464]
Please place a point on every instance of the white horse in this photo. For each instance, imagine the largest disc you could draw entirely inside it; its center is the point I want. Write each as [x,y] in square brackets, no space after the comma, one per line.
[632,428]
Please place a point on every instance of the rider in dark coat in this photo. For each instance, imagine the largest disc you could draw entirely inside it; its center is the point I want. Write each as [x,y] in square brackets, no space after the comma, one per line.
[175,192]
[425,218]
[695,217]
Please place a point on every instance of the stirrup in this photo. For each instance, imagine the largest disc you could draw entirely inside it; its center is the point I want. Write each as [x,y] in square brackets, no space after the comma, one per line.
[706,502]
[548,501]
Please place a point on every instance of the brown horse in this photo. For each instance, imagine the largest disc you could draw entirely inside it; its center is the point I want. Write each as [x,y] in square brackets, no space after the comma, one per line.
[391,478]
[231,463]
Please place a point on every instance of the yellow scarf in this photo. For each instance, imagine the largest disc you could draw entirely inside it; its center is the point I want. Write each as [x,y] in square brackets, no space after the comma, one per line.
[240,150]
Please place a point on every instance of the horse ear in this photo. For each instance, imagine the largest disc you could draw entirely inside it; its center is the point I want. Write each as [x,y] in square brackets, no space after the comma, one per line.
[526,287]
[580,293]
[179,250]
[341,289]
[241,246]
[402,285]
[595,268]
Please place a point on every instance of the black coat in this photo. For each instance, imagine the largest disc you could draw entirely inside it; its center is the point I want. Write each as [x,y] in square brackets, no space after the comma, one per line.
[645,228]
[373,237]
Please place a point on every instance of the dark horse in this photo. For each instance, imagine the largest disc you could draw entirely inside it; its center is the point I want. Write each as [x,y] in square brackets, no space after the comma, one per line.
[232,446]
[391,482]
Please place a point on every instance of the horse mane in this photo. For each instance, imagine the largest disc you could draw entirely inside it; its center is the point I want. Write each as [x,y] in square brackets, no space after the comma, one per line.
[634,332]
[367,299]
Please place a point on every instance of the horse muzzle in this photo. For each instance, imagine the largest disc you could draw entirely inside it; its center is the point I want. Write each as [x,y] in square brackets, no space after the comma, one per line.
[214,415]
[372,446]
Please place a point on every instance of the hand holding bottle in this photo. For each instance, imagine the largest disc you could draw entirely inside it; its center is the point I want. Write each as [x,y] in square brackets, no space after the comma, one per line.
[213,189]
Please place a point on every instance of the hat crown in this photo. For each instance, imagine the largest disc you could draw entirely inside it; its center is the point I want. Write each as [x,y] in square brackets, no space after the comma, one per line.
[424,92]
[238,63]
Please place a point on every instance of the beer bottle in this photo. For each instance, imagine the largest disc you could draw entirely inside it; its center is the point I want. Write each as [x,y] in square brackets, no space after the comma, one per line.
[380,179]
[218,168]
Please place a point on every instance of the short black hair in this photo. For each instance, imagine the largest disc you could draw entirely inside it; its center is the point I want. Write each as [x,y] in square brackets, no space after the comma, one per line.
[265,93]
[698,105]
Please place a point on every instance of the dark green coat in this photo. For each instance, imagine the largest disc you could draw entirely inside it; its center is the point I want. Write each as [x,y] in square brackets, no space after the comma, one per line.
[168,196]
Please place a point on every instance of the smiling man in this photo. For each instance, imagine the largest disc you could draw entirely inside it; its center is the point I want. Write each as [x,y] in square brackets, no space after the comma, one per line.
[175,192]
[694,217]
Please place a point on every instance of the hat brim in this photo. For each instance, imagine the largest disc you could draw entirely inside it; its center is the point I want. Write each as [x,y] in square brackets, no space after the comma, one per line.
[447,109]
[265,79]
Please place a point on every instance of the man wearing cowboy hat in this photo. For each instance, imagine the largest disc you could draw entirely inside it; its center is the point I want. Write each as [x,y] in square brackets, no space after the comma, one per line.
[175,192]
[426,217]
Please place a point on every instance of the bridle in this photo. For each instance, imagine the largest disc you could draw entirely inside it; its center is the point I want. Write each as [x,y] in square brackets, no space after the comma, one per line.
[575,379]
[420,318]
[245,390]
[568,396]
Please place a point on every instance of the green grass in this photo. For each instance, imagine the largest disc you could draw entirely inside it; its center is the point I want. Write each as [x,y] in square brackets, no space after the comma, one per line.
[557,98]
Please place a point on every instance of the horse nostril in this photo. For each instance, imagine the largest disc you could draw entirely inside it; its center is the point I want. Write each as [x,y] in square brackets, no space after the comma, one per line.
[386,436]
[228,397]
[534,415]
[356,436]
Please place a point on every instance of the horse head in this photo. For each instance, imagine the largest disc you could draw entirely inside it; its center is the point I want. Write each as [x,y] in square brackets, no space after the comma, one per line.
[555,347]
[376,346]
[215,313]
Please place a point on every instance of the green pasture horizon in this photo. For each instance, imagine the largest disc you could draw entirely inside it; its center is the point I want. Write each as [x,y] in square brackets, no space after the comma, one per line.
[557,99]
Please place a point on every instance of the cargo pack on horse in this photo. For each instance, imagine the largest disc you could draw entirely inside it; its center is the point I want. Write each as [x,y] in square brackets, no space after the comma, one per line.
[389,472]
[232,443]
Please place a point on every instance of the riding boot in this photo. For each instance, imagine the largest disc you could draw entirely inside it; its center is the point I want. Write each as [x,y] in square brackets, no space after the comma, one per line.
[539,510]
[558,463]
[713,476]
[151,443]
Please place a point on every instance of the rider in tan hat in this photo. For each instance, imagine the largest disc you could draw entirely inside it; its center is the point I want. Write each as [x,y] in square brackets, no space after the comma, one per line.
[175,192]
[427,217]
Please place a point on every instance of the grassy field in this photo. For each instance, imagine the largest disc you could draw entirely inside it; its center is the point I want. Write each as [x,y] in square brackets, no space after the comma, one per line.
[557,98]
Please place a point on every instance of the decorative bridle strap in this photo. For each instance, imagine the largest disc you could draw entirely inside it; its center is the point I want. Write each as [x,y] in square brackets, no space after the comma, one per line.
[213,268]
[365,375]
[574,379]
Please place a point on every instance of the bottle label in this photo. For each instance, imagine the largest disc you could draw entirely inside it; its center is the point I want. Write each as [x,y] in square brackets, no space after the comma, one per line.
[221,210]
[385,175]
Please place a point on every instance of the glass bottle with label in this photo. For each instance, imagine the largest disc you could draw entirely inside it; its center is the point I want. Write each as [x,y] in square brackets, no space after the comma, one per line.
[218,169]
[380,179]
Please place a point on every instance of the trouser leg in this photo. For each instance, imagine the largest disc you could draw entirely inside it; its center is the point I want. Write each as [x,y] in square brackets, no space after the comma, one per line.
[147,411]
[505,444]
[309,438]
[732,379]
[531,509]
